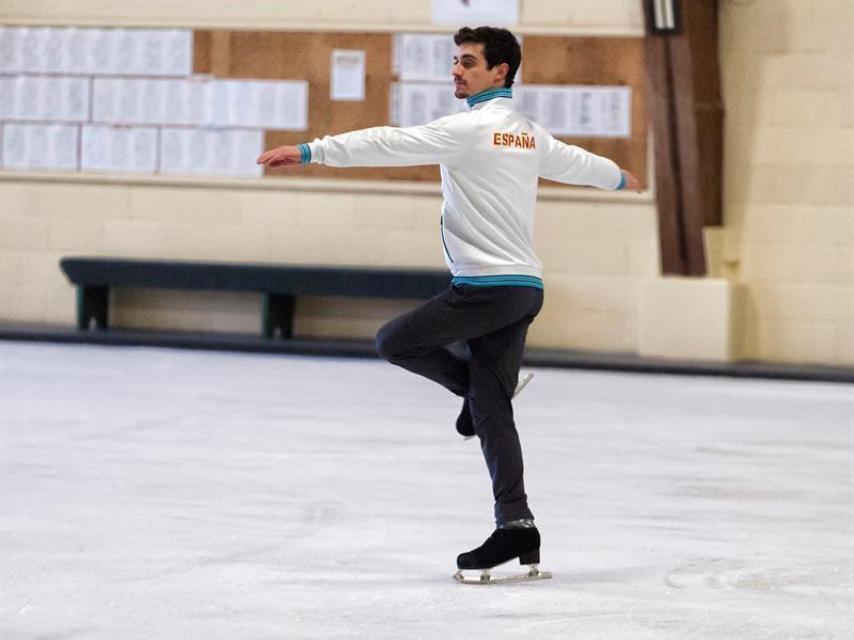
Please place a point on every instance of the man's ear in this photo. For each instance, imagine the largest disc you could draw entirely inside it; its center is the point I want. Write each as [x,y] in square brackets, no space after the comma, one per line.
[503,70]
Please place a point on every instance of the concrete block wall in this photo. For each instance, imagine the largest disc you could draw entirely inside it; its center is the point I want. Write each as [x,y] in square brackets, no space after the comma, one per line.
[788,87]
[595,251]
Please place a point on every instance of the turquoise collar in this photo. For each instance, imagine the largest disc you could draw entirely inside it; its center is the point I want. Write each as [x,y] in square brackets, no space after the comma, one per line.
[490,94]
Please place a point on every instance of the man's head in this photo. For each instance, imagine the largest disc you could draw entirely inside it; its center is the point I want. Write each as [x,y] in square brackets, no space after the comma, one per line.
[486,57]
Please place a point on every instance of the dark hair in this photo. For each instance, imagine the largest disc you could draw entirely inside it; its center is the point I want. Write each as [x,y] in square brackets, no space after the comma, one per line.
[499,45]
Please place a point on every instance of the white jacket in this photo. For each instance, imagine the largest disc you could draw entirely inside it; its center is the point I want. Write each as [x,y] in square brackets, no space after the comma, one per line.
[490,159]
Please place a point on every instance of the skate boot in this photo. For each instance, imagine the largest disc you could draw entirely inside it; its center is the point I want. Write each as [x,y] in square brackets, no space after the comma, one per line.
[465,426]
[502,546]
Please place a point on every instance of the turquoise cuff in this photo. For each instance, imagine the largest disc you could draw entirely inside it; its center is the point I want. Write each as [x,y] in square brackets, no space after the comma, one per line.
[304,153]
[499,281]
[622,184]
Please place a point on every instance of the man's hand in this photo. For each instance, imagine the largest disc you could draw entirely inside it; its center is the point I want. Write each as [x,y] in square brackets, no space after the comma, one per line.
[280,156]
[631,182]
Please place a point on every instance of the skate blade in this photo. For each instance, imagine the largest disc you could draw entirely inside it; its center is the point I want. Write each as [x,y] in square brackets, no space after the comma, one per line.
[485,577]
[523,383]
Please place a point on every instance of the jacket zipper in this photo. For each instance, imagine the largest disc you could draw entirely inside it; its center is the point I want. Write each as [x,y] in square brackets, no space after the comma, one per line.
[444,244]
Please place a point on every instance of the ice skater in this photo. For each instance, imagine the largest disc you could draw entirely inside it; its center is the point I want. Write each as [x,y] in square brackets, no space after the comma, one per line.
[490,158]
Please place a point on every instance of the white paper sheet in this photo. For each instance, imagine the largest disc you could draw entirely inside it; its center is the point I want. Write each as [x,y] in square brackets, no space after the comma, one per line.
[14,146]
[164,52]
[54,60]
[256,103]
[394,104]
[38,98]
[424,56]
[7,97]
[34,44]
[218,152]
[71,101]
[217,113]
[125,149]
[99,49]
[496,13]
[420,103]
[161,101]
[347,75]
[126,46]
[32,48]
[32,98]
[96,51]
[575,110]
[179,52]
[75,51]
[9,53]
[37,146]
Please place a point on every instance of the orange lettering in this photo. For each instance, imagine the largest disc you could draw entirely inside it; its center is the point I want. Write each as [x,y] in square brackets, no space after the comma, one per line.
[520,141]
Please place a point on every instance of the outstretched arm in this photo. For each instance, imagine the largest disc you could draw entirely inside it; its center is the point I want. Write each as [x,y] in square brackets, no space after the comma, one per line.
[441,141]
[573,165]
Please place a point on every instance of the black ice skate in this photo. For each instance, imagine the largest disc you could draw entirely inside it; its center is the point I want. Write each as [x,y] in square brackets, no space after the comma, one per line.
[465,427]
[502,546]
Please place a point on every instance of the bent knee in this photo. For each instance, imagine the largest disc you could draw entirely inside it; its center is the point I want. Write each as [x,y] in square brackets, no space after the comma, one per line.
[388,342]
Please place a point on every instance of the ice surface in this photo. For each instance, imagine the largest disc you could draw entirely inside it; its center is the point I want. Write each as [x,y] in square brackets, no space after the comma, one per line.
[152,493]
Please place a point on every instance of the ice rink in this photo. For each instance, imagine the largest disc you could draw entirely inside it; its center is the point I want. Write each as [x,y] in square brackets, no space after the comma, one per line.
[197,496]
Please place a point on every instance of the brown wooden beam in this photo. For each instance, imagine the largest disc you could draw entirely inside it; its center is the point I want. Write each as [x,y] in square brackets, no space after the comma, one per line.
[668,187]
[684,77]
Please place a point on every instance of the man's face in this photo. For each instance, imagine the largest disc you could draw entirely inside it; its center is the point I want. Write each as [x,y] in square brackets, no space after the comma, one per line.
[470,73]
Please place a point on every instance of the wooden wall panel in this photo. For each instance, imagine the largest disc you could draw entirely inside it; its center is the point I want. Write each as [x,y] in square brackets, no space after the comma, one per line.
[596,61]
[277,55]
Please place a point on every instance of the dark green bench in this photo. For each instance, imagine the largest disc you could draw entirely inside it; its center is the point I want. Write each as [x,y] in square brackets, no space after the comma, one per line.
[280,285]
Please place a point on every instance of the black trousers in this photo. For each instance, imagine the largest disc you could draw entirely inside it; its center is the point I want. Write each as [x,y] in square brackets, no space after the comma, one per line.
[493,322]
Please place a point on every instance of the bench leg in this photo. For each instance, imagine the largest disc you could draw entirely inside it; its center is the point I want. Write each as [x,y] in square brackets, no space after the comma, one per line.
[278,314]
[93,304]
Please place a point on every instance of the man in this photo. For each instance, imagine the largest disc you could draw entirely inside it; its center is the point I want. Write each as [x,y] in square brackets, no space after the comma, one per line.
[490,159]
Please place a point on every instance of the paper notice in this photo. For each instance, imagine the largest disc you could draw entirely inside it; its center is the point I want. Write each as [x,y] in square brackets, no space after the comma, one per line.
[172,153]
[9,50]
[496,13]
[123,149]
[576,110]
[96,51]
[32,50]
[99,47]
[36,146]
[424,56]
[420,103]
[74,50]
[71,100]
[15,146]
[178,50]
[32,98]
[256,104]
[348,75]
[7,97]
[215,152]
